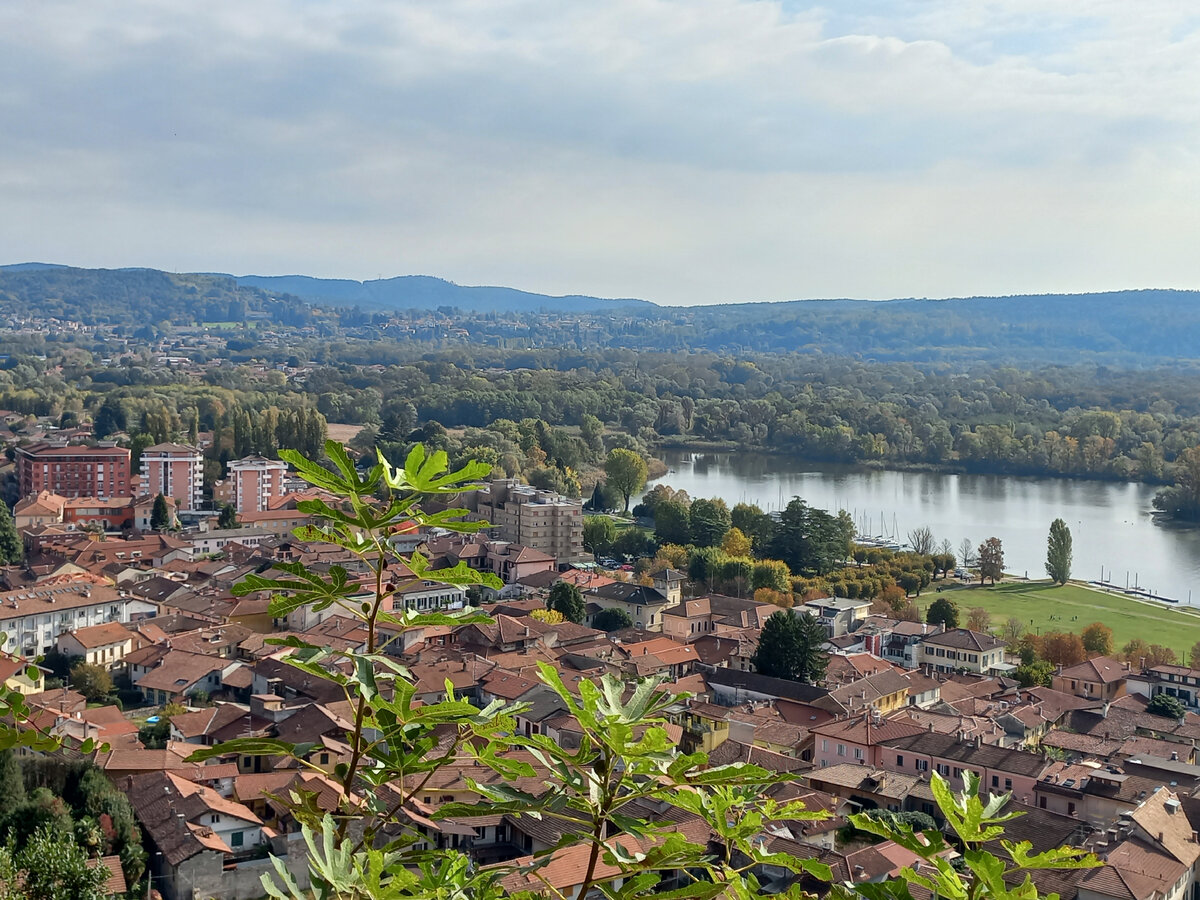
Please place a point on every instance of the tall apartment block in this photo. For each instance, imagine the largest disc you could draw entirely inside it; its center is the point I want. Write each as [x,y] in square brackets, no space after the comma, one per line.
[257,483]
[174,470]
[543,520]
[73,471]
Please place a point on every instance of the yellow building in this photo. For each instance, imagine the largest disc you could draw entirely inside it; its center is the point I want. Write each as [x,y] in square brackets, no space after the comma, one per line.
[16,675]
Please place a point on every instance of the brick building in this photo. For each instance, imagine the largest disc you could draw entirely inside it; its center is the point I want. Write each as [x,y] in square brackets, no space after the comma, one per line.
[73,471]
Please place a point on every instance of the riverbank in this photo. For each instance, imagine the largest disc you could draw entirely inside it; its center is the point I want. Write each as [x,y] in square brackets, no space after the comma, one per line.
[1043,606]
[876,465]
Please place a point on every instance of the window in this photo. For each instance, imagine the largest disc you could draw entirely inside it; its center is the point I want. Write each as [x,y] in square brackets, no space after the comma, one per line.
[1070,809]
[237,839]
[841,749]
[922,765]
[214,819]
[899,761]
[824,746]
[324,759]
[995,781]
[957,772]
[943,770]
[858,753]
[1008,784]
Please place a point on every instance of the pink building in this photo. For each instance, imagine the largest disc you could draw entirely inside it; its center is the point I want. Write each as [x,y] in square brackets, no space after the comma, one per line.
[174,470]
[256,482]
[1001,769]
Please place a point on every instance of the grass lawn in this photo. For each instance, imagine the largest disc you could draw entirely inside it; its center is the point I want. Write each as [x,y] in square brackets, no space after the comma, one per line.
[1074,608]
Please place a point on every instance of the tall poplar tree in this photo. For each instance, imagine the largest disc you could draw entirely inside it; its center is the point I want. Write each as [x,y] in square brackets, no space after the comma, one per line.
[1058,552]
[12,551]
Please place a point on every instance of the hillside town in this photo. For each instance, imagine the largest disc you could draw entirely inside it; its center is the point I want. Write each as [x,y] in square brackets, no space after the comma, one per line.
[1088,760]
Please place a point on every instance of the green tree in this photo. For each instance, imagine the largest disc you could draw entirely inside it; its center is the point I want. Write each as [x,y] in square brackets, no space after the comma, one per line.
[160,515]
[228,517]
[811,540]
[1038,673]
[1166,706]
[599,532]
[632,543]
[54,867]
[567,599]
[626,472]
[708,522]
[92,681]
[991,560]
[12,550]
[611,620]
[790,646]
[672,523]
[1058,552]
[773,574]
[942,611]
[12,781]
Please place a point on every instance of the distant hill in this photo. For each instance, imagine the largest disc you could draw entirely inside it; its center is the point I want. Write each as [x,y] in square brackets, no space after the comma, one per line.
[427,292]
[1138,328]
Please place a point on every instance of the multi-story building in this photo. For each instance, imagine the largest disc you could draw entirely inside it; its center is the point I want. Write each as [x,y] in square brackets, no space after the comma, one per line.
[174,470]
[256,483]
[961,649]
[73,471]
[32,618]
[540,520]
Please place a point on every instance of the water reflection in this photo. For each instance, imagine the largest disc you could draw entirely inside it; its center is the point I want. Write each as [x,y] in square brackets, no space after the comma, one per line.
[1110,522]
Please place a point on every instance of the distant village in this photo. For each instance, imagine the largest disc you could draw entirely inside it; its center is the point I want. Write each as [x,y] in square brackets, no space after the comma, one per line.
[1084,760]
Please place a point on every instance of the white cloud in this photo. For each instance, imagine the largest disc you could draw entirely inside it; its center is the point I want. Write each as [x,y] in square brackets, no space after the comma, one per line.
[698,150]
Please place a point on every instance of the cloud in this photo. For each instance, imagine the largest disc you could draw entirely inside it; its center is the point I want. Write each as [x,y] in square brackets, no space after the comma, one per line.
[690,151]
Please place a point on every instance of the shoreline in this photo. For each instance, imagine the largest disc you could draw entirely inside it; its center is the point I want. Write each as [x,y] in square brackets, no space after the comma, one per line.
[891,465]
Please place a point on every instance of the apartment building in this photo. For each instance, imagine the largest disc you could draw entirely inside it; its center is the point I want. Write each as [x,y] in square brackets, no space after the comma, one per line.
[255,483]
[540,520]
[73,471]
[32,618]
[174,470]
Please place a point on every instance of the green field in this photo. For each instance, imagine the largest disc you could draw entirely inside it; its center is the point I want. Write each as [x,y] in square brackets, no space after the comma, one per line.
[1074,608]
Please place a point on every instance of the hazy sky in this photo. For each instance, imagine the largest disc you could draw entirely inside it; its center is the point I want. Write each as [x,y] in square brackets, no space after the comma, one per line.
[692,151]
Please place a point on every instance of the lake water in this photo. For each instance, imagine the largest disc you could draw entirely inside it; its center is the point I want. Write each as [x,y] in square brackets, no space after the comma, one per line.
[1110,522]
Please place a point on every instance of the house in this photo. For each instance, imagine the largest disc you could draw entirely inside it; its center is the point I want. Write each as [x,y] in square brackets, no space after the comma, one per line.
[645,606]
[961,649]
[839,615]
[1180,682]
[853,740]
[20,675]
[180,674]
[1010,771]
[1101,678]
[864,787]
[201,844]
[102,645]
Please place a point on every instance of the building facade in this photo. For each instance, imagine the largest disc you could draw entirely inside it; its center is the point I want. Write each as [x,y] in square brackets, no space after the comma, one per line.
[255,483]
[174,470]
[32,618]
[541,520]
[73,471]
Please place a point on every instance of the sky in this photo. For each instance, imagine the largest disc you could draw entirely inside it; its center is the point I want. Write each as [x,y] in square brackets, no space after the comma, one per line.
[698,151]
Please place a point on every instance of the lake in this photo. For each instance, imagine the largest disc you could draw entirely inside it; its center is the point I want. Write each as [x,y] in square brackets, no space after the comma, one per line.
[1110,522]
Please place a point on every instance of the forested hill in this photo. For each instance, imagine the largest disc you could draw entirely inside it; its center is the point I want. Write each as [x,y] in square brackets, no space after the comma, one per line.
[1143,329]
[425,292]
